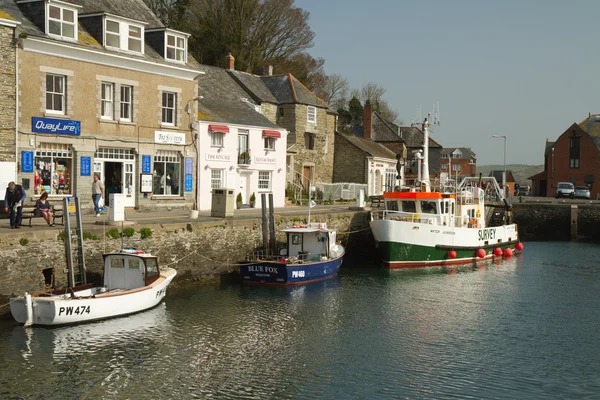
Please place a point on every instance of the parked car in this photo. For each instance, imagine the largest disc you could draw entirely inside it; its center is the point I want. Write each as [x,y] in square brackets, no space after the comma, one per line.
[565,189]
[582,192]
[524,190]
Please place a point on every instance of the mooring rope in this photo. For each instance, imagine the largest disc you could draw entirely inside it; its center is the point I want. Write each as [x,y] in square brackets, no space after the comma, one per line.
[4,305]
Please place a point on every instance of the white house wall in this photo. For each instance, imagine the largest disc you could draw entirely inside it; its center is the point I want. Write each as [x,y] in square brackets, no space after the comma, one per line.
[236,176]
[379,165]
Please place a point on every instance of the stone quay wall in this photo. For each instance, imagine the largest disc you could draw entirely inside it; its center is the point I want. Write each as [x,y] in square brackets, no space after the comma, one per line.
[199,251]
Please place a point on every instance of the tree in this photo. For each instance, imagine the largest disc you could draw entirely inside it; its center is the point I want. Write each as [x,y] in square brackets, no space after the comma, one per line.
[172,13]
[306,69]
[334,91]
[374,93]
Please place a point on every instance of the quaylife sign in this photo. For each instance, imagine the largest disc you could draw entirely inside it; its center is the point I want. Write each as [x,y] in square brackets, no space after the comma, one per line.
[169,137]
[56,126]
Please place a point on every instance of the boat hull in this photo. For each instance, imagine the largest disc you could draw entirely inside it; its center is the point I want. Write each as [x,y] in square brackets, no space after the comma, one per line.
[272,273]
[58,310]
[412,245]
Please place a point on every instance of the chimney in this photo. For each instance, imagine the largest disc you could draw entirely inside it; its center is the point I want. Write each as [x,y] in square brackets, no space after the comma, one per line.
[229,62]
[269,70]
[368,120]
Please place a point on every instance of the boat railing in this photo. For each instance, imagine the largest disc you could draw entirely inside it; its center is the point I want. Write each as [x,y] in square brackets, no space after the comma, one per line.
[431,219]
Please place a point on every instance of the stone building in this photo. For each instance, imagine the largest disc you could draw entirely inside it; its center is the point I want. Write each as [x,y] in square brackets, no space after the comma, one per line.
[309,122]
[573,157]
[458,161]
[8,100]
[238,147]
[103,87]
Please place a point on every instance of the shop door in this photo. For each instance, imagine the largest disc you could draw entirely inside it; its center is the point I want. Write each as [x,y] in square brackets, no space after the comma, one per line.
[128,184]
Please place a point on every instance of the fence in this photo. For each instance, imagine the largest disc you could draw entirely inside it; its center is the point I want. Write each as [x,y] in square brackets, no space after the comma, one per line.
[344,191]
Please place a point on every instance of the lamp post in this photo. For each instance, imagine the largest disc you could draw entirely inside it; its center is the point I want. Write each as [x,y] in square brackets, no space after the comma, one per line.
[503,173]
[192,125]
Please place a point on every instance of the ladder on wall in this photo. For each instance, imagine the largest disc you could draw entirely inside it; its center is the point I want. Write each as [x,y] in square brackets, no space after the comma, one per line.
[74,244]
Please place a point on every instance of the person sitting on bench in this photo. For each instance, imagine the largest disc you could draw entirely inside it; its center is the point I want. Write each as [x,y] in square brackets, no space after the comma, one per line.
[43,208]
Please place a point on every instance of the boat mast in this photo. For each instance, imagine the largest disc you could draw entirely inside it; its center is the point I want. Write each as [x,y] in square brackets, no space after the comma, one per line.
[425,184]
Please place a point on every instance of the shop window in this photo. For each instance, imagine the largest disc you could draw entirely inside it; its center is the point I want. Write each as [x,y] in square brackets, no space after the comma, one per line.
[167,174]
[53,169]
[55,93]
[216,139]
[217,178]
[264,180]
[169,102]
[126,102]
[108,94]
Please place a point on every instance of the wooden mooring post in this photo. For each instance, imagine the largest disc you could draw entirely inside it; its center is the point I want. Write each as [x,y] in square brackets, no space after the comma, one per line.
[574,215]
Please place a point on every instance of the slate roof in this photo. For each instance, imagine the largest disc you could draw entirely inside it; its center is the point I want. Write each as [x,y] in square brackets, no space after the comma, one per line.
[466,152]
[133,9]
[370,147]
[254,86]
[225,101]
[289,90]
[386,131]
[591,125]
[498,175]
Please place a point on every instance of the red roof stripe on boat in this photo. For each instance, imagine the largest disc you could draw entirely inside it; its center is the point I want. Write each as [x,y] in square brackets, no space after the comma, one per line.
[416,195]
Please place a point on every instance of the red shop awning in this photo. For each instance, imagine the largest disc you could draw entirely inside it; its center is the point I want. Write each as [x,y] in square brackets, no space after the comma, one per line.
[218,128]
[273,134]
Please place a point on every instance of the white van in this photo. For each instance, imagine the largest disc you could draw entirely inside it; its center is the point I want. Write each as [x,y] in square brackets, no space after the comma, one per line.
[565,189]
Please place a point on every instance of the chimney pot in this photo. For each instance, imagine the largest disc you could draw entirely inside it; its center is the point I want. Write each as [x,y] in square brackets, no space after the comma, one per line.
[229,62]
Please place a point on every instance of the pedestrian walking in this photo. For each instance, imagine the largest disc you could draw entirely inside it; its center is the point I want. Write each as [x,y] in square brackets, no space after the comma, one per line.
[13,200]
[97,193]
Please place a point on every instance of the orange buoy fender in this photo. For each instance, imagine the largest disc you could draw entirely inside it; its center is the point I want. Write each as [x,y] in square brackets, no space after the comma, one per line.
[508,252]
[480,253]
[497,252]
[451,254]
[519,246]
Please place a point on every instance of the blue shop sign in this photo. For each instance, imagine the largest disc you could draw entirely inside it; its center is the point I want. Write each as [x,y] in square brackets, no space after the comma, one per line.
[188,183]
[85,166]
[146,165]
[189,165]
[27,161]
[54,125]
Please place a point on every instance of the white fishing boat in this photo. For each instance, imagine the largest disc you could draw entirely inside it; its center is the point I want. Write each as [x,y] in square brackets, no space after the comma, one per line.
[421,228]
[132,282]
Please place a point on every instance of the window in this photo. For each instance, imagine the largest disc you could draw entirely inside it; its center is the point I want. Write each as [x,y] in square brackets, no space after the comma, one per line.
[113,37]
[217,178]
[176,48]
[444,155]
[61,22]
[167,173]
[444,166]
[169,101]
[135,39]
[216,139]
[53,169]
[281,111]
[311,114]
[309,141]
[456,167]
[55,93]
[126,102]
[390,179]
[456,155]
[107,109]
[269,143]
[574,150]
[264,180]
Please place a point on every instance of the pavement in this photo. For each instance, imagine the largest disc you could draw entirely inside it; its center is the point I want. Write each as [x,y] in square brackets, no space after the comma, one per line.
[172,216]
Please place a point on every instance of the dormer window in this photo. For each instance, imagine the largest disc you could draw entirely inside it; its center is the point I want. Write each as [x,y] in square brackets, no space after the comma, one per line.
[123,35]
[176,49]
[62,22]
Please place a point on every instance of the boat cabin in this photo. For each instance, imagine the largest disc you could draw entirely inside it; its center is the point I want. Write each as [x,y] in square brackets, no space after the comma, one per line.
[437,208]
[309,243]
[129,269]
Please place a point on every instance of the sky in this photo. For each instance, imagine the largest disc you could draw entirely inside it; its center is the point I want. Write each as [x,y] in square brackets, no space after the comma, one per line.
[524,69]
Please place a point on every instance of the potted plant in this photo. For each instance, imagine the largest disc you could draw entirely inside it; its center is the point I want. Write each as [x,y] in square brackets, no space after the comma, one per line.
[252,200]
[238,200]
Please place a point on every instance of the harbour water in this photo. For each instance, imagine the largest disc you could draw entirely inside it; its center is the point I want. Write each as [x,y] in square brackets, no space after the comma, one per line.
[521,328]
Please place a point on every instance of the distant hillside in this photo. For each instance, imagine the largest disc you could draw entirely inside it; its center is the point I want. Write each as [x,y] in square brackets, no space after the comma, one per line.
[521,172]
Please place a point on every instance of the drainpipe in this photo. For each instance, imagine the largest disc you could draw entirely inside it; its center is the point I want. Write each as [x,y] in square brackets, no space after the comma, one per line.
[16,107]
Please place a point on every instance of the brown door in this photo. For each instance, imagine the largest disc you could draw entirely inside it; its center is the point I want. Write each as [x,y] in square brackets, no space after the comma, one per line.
[306,177]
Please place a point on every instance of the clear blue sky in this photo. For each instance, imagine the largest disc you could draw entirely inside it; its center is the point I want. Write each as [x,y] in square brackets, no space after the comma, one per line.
[525,69]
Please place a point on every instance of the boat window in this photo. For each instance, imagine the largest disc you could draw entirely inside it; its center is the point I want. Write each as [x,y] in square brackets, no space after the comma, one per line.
[133,263]
[116,263]
[429,207]
[446,207]
[452,212]
[391,205]
[296,240]
[152,267]
[409,206]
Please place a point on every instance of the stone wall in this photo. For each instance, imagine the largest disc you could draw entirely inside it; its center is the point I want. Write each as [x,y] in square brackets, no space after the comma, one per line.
[348,162]
[8,85]
[199,251]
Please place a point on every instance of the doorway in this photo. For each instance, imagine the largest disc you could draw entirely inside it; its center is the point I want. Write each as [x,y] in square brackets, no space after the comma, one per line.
[243,189]
[113,173]
[306,177]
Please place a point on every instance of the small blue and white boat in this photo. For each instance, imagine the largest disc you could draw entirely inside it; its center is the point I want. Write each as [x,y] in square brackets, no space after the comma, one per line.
[311,254]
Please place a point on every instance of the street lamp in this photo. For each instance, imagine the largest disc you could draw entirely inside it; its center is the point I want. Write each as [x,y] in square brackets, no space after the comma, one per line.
[503,173]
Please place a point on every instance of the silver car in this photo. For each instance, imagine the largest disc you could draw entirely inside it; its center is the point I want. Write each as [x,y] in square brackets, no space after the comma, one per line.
[582,192]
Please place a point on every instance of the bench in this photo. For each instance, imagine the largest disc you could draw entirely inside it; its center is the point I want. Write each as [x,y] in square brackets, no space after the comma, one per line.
[376,201]
[29,213]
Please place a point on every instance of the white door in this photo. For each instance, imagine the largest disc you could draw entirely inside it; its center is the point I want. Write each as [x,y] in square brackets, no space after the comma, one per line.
[128,184]
[243,187]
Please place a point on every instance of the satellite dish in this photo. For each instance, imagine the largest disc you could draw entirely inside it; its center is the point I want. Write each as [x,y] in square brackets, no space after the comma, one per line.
[312,204]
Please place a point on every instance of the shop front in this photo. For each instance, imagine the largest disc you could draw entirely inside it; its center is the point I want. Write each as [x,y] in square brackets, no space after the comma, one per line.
[116,169]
